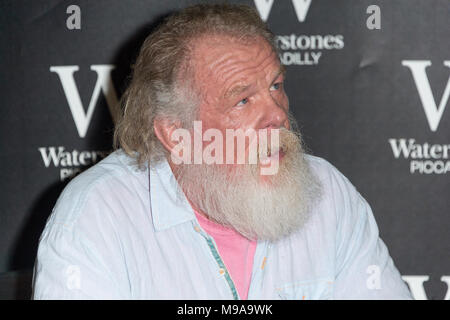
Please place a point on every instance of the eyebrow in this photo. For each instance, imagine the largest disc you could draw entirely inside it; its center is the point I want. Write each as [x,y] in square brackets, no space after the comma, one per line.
[238,89]
[281,71]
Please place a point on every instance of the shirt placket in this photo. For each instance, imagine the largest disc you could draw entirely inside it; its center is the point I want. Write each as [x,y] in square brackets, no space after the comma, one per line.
[258,270]
[215,253]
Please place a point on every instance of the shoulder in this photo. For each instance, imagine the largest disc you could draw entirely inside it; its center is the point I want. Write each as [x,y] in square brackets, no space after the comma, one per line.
[338,193]
[329,175]
[103,184]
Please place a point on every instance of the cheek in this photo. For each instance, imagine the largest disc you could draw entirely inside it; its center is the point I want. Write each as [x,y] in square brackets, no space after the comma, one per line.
[212,118]
[280,98]
[243,119]
[209,113]
[283,100]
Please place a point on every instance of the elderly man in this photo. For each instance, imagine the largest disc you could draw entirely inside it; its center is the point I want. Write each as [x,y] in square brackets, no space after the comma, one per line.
[147,222]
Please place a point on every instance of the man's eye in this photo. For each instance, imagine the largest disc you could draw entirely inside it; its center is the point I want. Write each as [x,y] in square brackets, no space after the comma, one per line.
[242,102]
[276,86]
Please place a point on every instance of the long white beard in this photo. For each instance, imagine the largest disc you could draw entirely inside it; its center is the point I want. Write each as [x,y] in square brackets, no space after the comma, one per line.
[268,208]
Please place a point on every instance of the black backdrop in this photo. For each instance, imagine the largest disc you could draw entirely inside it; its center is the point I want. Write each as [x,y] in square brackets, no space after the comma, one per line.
[370,100]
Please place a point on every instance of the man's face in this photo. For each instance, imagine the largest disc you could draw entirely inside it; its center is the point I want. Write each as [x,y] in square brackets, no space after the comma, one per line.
[241,85]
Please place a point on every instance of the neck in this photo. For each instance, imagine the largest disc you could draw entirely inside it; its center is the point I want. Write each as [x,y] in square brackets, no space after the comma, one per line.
[173,167]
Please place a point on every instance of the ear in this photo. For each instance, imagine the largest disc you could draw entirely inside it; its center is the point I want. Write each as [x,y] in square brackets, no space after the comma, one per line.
[164,129]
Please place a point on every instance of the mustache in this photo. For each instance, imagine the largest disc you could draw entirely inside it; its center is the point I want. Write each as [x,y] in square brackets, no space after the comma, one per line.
[289,140]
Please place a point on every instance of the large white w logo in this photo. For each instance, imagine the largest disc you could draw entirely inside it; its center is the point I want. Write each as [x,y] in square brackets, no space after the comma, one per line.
[301,8]
[104,83]
[432,112]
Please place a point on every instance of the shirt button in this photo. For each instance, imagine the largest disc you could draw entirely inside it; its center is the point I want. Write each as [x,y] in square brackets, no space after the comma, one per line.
[221,271]
[197,229]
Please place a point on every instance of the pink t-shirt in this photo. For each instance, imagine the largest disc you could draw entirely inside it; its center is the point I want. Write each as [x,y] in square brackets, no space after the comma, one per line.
[236,251]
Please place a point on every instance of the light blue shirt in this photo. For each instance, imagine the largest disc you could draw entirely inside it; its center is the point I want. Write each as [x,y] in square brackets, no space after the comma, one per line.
[117,232]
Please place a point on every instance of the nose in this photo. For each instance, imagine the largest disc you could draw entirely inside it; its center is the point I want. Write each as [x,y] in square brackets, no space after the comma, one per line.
[274,114]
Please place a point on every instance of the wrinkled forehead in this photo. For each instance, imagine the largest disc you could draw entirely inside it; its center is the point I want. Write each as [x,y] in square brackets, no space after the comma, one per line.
[219,58]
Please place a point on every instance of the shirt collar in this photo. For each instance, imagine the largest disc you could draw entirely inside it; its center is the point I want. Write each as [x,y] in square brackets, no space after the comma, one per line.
[169,206]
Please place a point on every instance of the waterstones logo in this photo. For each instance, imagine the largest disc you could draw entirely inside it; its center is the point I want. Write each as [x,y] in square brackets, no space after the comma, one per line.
[424,158]
[73,162]
[301,49]
[306,49]
[70,163]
